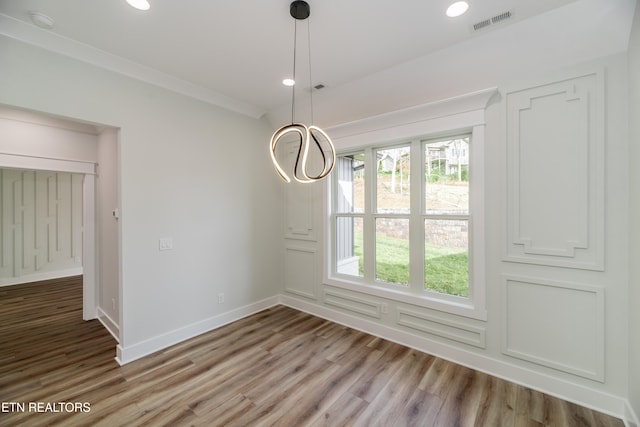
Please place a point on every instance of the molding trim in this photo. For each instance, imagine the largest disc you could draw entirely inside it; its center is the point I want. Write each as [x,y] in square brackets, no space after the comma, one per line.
[353,303]
[573,111]
[563,389]
[630,417]
[442,327]
[300,213]
[126,354]
[465,113]
[20,161]
[88,214]
[40,276]
[21,31]
[308,273]
[595,372]
[109,324]
[442,116]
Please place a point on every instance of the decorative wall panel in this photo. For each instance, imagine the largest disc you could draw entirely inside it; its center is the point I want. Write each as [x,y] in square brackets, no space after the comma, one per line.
[555,324]
[352,303]
[439,326]
[555,143]
[300,203]
[40,222]
[300,271]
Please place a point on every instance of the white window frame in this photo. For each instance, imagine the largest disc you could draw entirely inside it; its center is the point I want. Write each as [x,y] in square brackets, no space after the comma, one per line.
[452,117]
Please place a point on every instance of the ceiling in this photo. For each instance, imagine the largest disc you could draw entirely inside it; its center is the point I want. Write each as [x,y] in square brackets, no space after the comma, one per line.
[236,53]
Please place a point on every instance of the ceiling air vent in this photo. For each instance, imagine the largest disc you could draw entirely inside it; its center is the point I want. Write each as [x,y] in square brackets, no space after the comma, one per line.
[501,17]
[479,25]
[493,20]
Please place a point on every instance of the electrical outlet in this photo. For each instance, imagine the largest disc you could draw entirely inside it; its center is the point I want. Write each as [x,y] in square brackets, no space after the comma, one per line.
[165,244]
[384,308]
[220,298]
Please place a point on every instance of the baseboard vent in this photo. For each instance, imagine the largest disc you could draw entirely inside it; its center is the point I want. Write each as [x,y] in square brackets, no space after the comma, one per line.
[493,20]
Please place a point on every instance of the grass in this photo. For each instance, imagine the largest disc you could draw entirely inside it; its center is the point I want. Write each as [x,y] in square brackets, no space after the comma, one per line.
[446,269]
[447,273]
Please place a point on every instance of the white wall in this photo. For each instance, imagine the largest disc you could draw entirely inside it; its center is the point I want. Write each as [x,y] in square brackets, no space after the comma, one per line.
[108,233]
[188,171]
[29,134]
[28,137]
[634,214]
[591,286]
[56,250]
[594,290]
[524,48]
[200,175]
[40,225]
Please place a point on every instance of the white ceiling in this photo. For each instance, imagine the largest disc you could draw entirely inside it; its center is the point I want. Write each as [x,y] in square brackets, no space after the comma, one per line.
[235,53]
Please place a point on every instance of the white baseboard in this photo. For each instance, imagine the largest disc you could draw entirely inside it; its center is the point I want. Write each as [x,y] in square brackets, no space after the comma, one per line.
[584,396]
[37,277]
[136,351]
[631,418]
[577,393]
[108,323]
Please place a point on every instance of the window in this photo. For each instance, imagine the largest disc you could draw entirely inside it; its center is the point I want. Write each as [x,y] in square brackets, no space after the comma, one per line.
[401,221]
[405,206]
[446,216]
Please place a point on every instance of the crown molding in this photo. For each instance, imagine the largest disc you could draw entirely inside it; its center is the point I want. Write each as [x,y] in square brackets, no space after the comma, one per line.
[433,117]
[48,40]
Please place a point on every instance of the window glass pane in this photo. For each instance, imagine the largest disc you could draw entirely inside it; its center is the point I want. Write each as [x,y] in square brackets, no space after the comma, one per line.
[349,171]
[392,180]
[392,250]
[349,258]
[446,256]
[447,176]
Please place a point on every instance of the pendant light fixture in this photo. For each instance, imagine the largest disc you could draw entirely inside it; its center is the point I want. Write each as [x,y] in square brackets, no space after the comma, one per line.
[308,136]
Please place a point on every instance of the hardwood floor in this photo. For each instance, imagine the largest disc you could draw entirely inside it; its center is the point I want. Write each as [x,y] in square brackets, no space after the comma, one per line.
[278,367]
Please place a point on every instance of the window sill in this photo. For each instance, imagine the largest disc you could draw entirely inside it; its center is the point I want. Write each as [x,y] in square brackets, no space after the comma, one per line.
[427,300]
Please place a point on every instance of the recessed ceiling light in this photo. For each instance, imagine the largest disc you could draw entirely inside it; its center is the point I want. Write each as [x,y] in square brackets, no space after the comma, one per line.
[457,9]
[288,82]
[139,4]
[41,20]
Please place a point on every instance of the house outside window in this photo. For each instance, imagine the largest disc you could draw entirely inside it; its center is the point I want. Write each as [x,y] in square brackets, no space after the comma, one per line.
[405,206]
[378,227]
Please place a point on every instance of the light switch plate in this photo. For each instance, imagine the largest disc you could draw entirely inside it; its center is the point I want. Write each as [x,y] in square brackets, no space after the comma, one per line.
[165,244]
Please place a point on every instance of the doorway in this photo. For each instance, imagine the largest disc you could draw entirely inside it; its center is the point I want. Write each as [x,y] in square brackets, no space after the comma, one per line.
[39,166]
[38,142]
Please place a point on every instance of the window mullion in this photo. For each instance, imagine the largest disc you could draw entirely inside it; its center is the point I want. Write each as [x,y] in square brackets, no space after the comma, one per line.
[416,227]
[369,231]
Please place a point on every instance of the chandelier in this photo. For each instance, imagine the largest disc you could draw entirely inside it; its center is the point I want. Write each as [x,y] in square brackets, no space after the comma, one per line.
[308,137]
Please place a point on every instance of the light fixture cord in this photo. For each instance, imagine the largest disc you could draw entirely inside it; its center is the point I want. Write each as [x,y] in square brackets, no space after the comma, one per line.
[310,80]
[293,88]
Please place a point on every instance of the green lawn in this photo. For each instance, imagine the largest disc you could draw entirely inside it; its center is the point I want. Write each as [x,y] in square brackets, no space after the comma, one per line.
[446,269]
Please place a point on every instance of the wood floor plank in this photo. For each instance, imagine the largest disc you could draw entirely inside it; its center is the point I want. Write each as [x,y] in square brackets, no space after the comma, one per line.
[391,401]
[420,411]
[498,404]
[344,412]
[279,367]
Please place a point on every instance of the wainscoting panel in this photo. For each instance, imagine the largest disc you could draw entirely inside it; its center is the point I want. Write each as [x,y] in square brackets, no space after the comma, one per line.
[555,324]
[40,224]
[300,202]
[353,303]
[301,271]
[439,326]
[555,143]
